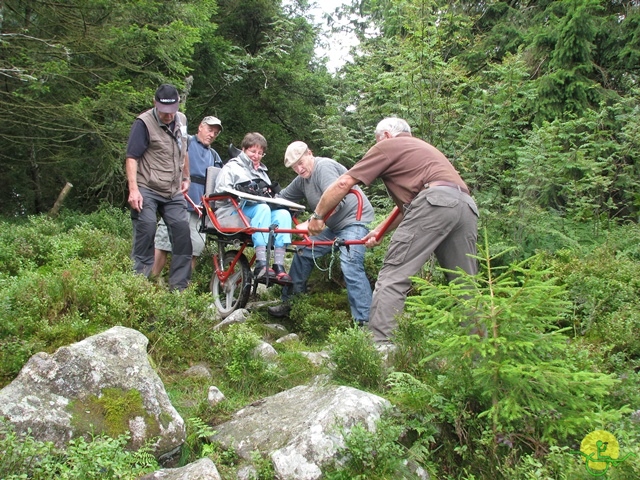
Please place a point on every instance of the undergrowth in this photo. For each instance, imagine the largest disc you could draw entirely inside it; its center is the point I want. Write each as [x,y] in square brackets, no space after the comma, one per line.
[99,458]
[560,357]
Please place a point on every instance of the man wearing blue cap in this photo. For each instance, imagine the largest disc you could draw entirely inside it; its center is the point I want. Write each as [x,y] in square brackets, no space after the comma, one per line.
[158,176]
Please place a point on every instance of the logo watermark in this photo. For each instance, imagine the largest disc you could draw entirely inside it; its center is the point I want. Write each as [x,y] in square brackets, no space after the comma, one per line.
[601,450]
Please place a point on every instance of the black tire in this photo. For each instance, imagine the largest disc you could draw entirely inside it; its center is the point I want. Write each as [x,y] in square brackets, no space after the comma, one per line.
[234,292]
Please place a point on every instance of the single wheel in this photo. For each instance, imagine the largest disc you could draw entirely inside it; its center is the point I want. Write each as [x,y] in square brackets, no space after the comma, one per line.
[234,292]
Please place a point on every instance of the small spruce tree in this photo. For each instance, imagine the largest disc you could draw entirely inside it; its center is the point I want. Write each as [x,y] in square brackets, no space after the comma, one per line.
[498,367]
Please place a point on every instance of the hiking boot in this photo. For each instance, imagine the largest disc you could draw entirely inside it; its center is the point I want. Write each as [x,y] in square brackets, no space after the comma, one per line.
[362,323]
[281,275]
[280,311]
[261,271]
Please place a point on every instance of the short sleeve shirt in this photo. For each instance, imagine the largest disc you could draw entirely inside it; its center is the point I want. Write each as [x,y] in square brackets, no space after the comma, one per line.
[405,164]
[325,172]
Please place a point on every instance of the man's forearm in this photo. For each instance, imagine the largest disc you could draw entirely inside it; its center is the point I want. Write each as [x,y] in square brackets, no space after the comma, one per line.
[396,221]
[131,167]
[334,194]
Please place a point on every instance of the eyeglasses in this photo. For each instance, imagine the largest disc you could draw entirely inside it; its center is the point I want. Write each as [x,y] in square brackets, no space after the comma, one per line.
[257,154]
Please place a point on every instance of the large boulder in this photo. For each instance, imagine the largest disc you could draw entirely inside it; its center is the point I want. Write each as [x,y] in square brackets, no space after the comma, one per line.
[203,469]
[300,429]
[103,384]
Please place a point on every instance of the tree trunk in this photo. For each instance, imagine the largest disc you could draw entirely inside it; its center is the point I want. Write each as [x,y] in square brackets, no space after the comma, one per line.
[56,206]
[35,178]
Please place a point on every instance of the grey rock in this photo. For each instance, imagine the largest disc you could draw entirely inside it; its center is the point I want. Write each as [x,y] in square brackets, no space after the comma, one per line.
[215,396]
[198,371]
[58,397]
[292,337]
[265,351]
[317,358]
[212,314]
[419,472]
[238,316]
[300,428]
[387,352]
[248,472]
[276,327]
[203,469]
[262,290]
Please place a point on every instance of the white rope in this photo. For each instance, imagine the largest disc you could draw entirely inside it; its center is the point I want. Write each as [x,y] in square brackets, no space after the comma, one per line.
[333,256]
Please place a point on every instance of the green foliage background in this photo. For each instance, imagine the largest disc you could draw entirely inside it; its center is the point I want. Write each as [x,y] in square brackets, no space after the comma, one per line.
[535,103]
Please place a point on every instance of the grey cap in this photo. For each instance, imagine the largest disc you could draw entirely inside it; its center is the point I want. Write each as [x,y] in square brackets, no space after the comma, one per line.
[294,152]
[210,120]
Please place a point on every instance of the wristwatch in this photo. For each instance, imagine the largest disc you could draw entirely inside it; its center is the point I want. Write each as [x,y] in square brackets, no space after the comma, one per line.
[315,216]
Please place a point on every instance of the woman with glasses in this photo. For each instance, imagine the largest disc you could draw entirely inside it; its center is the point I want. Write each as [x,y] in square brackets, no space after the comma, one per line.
[247,171]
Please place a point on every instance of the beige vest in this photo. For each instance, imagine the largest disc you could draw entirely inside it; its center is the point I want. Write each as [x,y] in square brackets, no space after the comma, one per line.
[160,168]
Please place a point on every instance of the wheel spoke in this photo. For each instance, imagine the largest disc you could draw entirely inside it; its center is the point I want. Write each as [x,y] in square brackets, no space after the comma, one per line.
[231,293]
[235,279]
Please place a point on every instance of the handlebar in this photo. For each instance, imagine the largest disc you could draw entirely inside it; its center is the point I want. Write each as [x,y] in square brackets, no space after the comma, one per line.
[247,229]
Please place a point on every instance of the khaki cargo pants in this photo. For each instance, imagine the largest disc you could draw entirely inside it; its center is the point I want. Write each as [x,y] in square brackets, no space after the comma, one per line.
[440,219]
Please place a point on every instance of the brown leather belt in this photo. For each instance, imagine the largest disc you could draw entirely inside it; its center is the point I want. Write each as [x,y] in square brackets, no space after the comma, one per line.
[442,183]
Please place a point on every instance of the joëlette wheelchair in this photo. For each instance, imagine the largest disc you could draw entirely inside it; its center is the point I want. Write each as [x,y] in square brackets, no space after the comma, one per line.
[232,281]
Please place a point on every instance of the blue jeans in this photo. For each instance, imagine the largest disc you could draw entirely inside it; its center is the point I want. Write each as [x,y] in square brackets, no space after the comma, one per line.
[262,216]
[351,264]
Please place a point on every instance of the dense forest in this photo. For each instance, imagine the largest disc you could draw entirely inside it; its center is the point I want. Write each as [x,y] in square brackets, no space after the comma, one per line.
[537,105]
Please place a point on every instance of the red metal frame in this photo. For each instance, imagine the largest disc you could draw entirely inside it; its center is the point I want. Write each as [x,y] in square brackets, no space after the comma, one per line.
[247,230]
[223,275]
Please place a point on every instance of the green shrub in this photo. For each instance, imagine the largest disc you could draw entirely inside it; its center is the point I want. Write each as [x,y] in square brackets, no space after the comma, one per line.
[356,360]
[39,241]
[565,463]
[604,285]
[263,465]
[243,369]
[241,362]
[99,459]
[109,220]
[65,280]
[196,445]
[499,371]
[314,316]
[372,455]
[514,404]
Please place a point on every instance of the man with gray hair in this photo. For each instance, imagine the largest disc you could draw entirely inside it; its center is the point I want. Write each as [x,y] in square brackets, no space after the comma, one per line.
[436,215]
[315,174]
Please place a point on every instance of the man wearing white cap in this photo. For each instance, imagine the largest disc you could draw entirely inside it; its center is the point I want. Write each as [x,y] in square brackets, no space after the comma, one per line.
[157,169]
[315,174]
[201,156]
